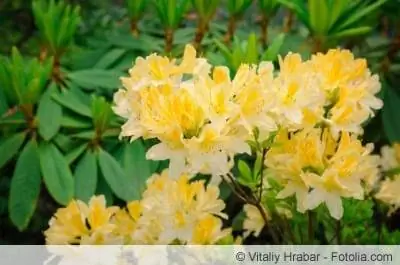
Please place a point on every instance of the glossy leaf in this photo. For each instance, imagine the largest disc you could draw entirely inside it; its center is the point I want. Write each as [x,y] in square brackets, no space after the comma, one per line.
[25,186]
[56,173]
[86,177]
[10,146]
[49,114]
[114,175]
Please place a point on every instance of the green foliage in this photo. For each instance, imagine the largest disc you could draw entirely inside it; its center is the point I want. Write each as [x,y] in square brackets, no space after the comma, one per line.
[136,8]
[205,8]
[269,7]
[25,186]
[56,173]
[237,8]
[334,20]
[171,12]
[86,176]
[57,22]
[49,114]
[390,118]
[249,51]
[23,81]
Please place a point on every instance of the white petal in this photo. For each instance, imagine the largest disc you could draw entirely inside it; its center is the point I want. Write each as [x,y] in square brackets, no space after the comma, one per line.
[159,152]
[335,207]
[176,166]
[315,198]
[288,191]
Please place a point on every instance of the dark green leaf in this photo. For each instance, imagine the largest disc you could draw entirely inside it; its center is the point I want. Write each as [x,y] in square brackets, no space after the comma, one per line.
[137,168]
[49,115]
[71,101]
[114,175]
[110,58]
[25,186]
[10,147]
[56,173]
[86,177]
[94,78]
[391,121]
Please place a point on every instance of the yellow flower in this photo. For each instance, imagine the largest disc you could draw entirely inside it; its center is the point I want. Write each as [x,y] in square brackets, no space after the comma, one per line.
[79,223]
[389,192]
[208,231]
[350,89]
[254,222]
[318,169]
[390,157]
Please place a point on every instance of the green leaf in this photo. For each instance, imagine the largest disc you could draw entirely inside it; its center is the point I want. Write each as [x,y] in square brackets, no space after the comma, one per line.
[319,15]
[391,121]
[75,153]
[245,170]
[360,14]
[271,54]
[71,101]
[94,78]
[86,135]
[10,147]
[104,189]
[252,49]
[49,115]
[56,173]
[351,32]
[110,58]
[114,175]
[3,102]
[75,122]
[86,177]
[137,168]
[25,186]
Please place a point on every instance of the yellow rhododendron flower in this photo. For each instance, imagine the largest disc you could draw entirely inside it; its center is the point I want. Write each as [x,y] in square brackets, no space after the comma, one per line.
[390,157]
[81,223]
[170,211]
[254,222]
[389,192]
[318,169]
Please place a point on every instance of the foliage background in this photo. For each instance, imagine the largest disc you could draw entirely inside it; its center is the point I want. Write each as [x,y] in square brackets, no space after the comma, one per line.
[60,138]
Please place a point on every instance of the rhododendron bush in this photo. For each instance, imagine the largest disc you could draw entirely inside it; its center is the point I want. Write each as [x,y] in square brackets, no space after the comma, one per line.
[302,123]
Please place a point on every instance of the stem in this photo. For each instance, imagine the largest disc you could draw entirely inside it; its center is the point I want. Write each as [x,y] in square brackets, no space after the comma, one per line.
[339,232]
[169,39]
[238,191]
[43,53]
[231,29]
[288,21]
[317,45]
[310,227]
[261,209]
[264,30]
[264,152]
[200,32]
[134,27]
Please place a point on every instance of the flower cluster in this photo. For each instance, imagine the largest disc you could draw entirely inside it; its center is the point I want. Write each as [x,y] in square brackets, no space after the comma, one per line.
[312,110]
[388,191]
[316,154]
[317,168]
[202,117]
[171,211]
